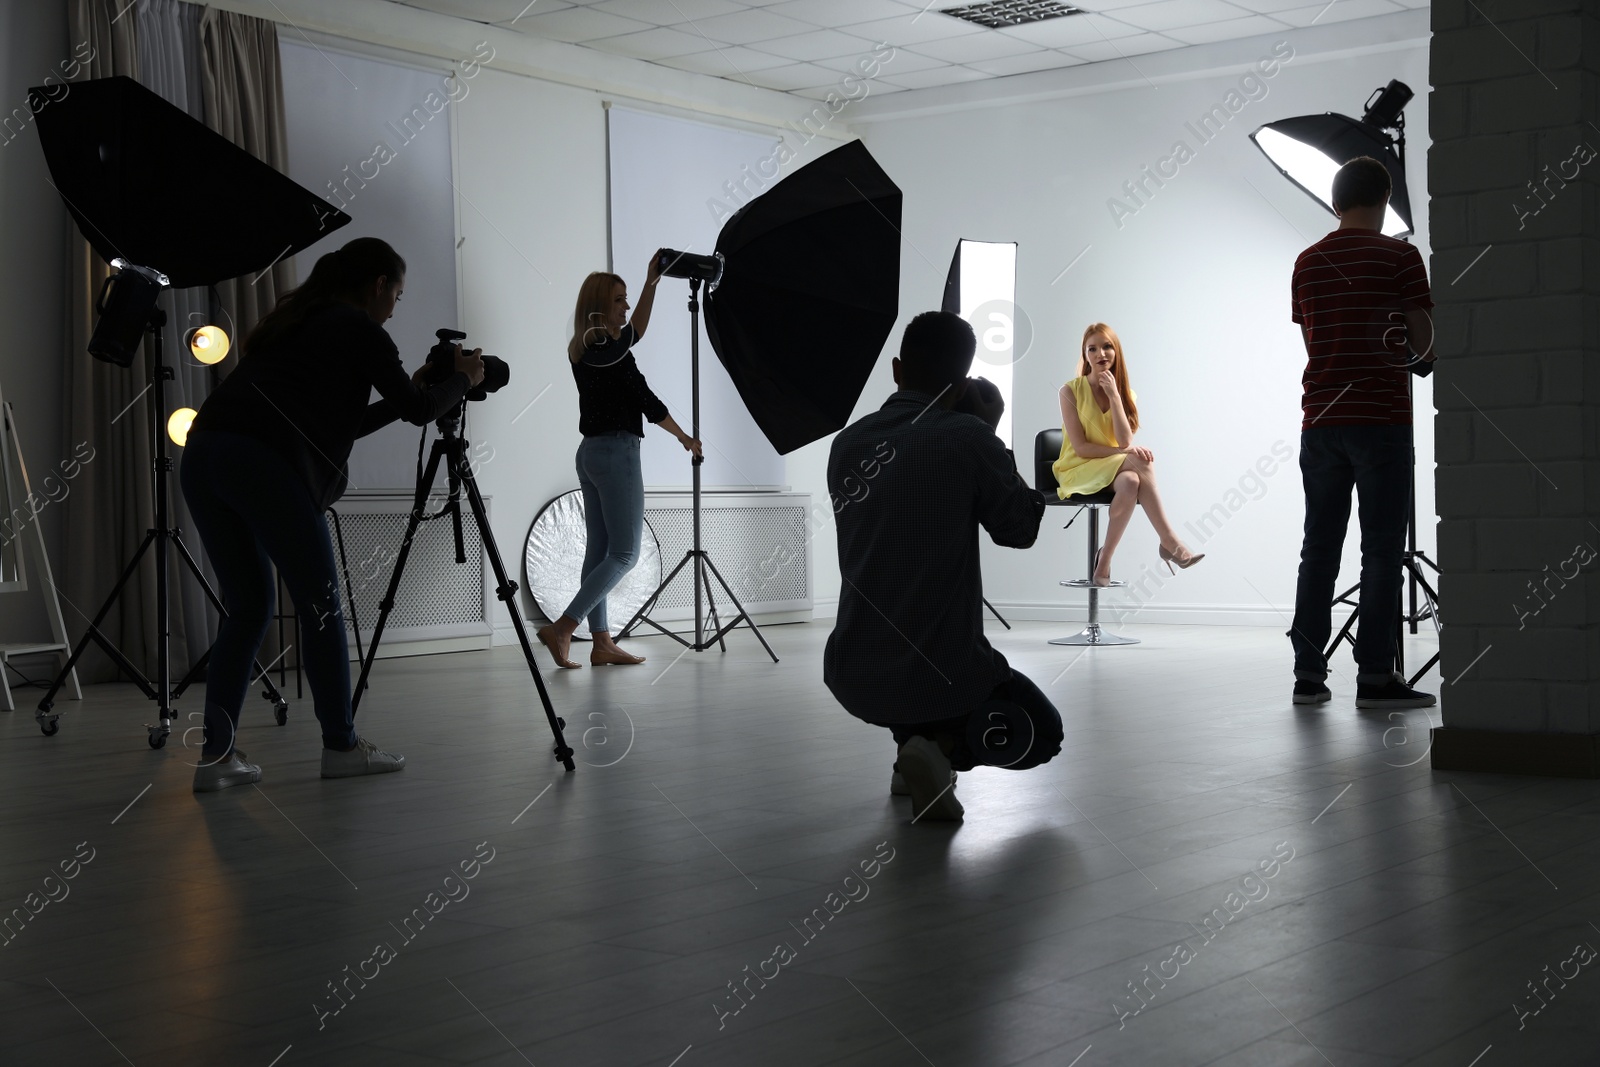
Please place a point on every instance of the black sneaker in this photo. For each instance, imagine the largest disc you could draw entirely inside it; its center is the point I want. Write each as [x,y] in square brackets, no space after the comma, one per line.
[1311,693]
[1393,693]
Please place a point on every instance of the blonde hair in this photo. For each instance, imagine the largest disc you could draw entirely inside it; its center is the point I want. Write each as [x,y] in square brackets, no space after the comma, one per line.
[592,312]
[1119,369]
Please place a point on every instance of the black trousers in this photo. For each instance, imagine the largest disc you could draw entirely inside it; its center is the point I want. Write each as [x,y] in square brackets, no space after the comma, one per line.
[1016,728]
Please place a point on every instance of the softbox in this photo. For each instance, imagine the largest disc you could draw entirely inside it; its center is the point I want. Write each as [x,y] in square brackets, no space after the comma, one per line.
[146,182]
[810,292]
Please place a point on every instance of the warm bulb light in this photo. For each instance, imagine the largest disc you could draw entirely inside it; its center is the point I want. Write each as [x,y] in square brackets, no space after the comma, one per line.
[209,344]
[178,425]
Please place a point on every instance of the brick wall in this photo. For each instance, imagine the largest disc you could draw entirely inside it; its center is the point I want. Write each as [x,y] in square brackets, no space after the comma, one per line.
[1518,383]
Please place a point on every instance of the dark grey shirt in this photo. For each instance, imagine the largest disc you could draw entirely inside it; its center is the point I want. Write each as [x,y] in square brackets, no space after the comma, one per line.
[910,485]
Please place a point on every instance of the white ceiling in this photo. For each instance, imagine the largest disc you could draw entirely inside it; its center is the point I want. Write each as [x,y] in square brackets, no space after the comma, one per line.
[806,46]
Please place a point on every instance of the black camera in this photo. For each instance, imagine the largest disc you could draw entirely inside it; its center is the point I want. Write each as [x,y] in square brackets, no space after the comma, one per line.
[442,364]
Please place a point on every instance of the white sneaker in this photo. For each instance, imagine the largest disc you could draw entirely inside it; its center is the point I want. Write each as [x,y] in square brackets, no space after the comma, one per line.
[210,777]
[365,758]
[927,774]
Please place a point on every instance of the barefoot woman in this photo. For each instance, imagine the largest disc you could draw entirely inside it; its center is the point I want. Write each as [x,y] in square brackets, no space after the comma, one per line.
[613,401]
[1098,421]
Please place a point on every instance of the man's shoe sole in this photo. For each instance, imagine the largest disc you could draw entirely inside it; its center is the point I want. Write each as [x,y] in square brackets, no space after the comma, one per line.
[1313,698]
[1427,700]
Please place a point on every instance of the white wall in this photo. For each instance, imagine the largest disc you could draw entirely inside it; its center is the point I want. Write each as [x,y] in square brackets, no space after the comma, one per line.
[1196,282]
[33,229]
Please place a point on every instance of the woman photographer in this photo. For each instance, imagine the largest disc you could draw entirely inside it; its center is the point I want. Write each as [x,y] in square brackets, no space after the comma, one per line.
[267,455]
[613,402]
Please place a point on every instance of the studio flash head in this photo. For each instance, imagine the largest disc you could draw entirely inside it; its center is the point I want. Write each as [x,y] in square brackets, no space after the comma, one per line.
[442,364]
[674,264]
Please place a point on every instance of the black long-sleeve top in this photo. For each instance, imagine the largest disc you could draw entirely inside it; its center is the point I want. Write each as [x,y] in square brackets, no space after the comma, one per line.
[307,395]
[910,485]
[612,393]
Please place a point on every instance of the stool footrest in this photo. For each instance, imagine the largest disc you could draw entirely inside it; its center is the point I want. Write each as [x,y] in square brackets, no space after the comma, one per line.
[1085,583]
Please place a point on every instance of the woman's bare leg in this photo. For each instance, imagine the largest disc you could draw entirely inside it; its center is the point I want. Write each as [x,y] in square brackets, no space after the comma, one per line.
[1126,487]
[1150,498]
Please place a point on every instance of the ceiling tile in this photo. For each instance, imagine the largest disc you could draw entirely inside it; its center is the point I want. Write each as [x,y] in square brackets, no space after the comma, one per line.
[1229,30]
[726,62]
[663,13]
[1268,7]
[1169,14]
[840,13]
[903,60]
[1071,30]
[750,26]
[1006,66]
[989,45]
[1125,47]
[576,24]
[659,43]
[1342,11]
[795,76]
[819,44]
[496,11]
[914,30]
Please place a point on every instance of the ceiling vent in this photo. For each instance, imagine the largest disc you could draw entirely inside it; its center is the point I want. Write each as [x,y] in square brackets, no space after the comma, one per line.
[998,14]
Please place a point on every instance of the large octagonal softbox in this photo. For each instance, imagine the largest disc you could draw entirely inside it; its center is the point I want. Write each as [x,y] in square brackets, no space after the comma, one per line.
[147,182]
[809,294]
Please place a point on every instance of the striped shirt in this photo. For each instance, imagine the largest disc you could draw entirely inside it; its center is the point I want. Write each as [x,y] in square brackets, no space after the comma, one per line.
[1349,293]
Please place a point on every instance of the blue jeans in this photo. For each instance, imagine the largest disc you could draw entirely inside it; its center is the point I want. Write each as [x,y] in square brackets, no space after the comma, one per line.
[253,512]
[1017,728]
[1377,462]
[613,513]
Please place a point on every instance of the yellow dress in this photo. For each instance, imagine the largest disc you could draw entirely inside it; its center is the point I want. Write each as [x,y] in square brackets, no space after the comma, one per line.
[1076,475]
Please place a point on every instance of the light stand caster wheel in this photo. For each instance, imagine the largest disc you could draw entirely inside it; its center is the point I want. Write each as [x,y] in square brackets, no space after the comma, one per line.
[280,712]
[158,736]
[49,726]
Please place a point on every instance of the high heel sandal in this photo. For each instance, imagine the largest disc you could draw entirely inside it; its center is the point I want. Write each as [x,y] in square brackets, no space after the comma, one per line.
[1101,583]
[1184,562]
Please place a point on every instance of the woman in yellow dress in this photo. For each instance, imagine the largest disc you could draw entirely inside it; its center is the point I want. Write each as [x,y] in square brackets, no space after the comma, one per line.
[1099,417]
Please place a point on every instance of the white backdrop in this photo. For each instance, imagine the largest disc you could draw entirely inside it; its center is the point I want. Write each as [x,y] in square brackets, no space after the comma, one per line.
[664,171]
[340,107]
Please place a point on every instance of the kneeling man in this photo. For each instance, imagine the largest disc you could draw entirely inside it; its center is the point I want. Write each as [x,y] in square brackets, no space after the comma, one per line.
[911,484]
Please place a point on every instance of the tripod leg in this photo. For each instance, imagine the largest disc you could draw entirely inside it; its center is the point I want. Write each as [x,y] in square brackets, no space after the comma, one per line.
[748,621]
[47,722]
[418,509]
[643,614]
[711,605]
[350,589]
[506,590]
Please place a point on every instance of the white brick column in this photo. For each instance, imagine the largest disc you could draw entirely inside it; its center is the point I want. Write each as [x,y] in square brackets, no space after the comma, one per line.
[1514,168]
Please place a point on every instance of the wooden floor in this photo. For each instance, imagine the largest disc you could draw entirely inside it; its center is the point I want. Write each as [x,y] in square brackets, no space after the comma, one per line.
[720,801]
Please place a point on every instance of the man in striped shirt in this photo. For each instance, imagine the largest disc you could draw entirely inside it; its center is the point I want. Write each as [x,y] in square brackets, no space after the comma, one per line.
[1361,301]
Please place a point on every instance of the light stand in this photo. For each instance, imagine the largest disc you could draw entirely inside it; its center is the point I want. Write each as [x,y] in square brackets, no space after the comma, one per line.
[452,450]
[160,536]
[703,639]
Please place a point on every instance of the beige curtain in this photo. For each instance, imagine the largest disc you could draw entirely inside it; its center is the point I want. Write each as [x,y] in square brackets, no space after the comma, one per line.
[233,60]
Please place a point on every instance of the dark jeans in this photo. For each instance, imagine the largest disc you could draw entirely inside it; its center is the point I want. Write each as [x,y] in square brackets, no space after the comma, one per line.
[1016,728]
[252,512]
[1377,462]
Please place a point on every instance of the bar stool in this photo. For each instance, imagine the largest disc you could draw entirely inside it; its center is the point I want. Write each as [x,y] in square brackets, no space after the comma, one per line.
[1046,450]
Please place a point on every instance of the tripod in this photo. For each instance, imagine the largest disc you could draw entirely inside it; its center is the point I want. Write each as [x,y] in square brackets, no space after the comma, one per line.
[704,638]
[451,448]
[160,536]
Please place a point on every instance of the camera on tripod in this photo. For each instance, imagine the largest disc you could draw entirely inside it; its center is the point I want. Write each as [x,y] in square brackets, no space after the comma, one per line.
[442,364]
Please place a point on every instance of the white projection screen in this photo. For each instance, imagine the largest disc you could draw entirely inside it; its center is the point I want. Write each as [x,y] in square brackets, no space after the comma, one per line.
[340,107]
[666,173]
